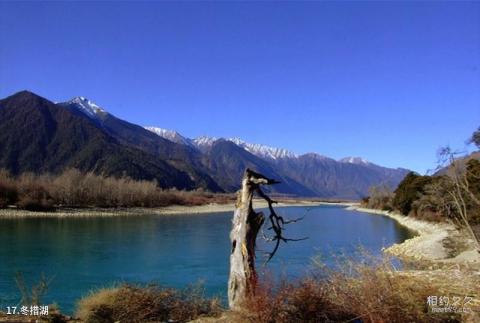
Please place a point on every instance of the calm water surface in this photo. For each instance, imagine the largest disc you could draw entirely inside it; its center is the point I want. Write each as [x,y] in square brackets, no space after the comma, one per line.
[82,254]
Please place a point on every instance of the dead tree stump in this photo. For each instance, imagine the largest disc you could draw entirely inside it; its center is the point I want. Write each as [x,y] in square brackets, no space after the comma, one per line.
[246,224]
[245,227]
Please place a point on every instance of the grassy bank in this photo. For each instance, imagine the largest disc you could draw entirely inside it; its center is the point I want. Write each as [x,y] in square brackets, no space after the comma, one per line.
[73,189]
[73,193]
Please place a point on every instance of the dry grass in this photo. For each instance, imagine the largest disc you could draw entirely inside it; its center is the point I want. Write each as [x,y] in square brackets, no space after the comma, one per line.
[96,300]
[130,303]
[75,189]
[354,291]
[361,292]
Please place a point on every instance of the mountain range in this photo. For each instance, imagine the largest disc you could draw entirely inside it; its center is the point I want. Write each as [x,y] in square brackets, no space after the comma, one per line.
[38,135]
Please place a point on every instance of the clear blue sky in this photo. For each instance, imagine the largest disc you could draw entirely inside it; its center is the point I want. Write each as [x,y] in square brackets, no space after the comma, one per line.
[388,81]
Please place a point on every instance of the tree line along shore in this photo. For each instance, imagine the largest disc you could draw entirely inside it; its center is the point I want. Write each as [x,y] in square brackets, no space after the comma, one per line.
[74,189]
[75,193]
[452,196]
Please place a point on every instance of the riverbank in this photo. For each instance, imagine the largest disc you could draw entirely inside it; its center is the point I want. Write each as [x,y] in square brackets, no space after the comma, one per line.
[391,293]
[434,243]
[167,210]
[439,254]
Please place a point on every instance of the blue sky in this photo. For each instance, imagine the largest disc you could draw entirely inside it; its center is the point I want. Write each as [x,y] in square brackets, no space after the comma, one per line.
[388,81]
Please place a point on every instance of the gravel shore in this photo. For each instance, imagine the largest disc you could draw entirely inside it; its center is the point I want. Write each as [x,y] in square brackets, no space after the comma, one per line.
[438,243]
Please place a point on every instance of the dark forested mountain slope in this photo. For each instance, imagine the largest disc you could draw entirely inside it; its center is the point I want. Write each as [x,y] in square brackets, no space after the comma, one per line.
[38,136]
[227,162]
[330,178]
[182,157]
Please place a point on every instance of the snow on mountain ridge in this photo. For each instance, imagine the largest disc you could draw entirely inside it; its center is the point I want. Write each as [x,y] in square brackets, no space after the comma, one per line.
[171,135]
[317,156]
[92,110]
[204,141]
[88,107]
[259,150]
[354,160]
[263,150]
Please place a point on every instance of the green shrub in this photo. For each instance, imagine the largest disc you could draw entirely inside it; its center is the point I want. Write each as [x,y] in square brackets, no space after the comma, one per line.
[476,137]
[410,190]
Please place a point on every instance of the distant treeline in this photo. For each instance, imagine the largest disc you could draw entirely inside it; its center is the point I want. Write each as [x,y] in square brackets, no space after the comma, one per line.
[452,193]
[73,188]
[434,198]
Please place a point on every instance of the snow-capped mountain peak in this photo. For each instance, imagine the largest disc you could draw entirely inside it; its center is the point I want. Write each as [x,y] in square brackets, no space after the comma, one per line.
[171,135]
[263,150]
[88,107]
[204,141]
[354,160]
[316,156]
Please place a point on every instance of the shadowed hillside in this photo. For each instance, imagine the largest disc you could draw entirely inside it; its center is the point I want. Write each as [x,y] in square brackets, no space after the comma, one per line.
[42,137]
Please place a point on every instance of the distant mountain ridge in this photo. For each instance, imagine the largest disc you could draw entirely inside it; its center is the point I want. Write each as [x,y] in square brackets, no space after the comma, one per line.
[171,135]
[312,174]
[41,136]
[204,142]
[259,150]
[354,160]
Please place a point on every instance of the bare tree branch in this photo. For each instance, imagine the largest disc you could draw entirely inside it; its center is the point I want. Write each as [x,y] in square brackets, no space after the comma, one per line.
[277,225]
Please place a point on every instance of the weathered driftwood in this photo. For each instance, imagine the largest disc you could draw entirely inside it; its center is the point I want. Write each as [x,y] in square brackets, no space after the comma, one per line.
[246,225]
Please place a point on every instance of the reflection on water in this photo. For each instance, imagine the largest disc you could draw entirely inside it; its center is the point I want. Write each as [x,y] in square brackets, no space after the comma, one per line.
[87,253]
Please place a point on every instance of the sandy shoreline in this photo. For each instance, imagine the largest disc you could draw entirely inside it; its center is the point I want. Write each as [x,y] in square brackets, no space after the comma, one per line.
[435,243]
[167,210]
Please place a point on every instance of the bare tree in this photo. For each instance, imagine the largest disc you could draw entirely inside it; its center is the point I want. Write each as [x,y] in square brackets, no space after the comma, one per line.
[380,197]
[245,227]
[458,189]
